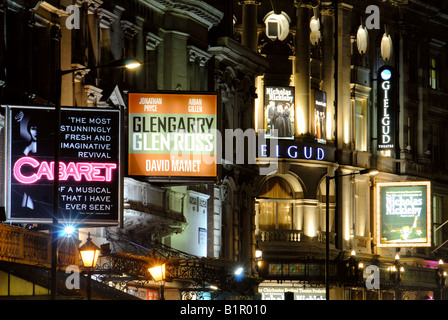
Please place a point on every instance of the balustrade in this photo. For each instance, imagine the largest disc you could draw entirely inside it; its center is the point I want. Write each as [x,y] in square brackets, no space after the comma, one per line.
[31,247]
[291,236]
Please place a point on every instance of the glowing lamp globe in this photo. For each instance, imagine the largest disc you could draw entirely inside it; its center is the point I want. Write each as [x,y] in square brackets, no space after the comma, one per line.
[362,39]
[386,47]
[89,253]
[158,272]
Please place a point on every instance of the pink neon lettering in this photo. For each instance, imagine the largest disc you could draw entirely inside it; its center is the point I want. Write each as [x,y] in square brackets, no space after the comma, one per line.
[18,174]
[91,171]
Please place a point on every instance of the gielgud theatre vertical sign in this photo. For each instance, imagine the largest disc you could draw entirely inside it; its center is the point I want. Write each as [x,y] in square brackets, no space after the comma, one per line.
[403,214]
[89,165]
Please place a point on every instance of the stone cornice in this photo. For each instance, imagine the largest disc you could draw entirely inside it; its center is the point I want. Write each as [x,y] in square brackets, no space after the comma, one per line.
[152,41]
[195,53]
[106,18]
[239,57]
[198,10]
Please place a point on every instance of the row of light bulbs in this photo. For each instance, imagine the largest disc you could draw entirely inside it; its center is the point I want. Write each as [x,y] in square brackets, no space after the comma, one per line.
[362,39]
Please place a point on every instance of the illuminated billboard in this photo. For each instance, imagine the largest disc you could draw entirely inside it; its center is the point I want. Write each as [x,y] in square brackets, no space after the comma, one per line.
[403,214]
[89,165]
[279,112]
[172,136]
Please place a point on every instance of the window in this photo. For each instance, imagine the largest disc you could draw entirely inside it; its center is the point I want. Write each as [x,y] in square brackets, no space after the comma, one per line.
[276,213]
[437,209]
[277,26]
[433,74]
[272,29]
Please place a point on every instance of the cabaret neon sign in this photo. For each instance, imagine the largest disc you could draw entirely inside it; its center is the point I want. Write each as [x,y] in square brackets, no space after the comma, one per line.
[90,171]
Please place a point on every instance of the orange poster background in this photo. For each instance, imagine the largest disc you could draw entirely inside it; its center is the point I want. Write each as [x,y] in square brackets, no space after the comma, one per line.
[173,103]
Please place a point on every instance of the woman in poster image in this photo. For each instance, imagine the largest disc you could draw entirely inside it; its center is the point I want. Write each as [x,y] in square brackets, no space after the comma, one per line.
[288,125]
[28,130]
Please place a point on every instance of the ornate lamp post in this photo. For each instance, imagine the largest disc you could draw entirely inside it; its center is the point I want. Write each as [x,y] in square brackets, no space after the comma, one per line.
[354,269]
[158,272]
[258,259]
[396,271]
[89,255]
[129,63]
[328,179]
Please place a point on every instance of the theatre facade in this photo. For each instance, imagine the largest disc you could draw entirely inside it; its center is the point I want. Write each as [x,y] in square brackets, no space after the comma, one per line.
[353,100]
[331,184]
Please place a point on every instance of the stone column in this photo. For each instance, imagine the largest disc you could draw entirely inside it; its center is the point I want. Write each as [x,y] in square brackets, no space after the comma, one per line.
[328,66]
[151,71]
[345,112]
[310,218]
[302,70]
[250,24]
[173,60]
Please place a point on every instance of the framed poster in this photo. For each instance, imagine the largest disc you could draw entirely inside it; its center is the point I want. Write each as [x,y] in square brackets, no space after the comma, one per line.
[89,165]
[172,136]
[403,214]
[279,112]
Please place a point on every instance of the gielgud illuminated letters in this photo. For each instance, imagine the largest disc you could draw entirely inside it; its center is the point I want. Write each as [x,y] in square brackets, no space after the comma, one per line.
[172,135]
[403,213]
[89,172]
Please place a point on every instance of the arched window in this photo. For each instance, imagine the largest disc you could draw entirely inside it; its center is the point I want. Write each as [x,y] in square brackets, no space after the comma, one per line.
[276,205]
[276,188]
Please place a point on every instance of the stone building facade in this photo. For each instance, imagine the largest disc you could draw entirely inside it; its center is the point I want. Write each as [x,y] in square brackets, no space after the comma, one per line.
[310,61]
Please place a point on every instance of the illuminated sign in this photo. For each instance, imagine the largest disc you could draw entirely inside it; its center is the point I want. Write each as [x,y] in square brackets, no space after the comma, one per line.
[386,108]
[172,136]
[279,112]
[89,165]
[285,149]
[299,293]
[403,214]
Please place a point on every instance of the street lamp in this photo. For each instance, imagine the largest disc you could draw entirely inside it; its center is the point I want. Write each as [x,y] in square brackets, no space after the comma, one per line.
[370,172]
[239,271]
[158,272]
[441,278]
[396,271]
[258,258]
[355,269]
[89,255]
[130,63]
